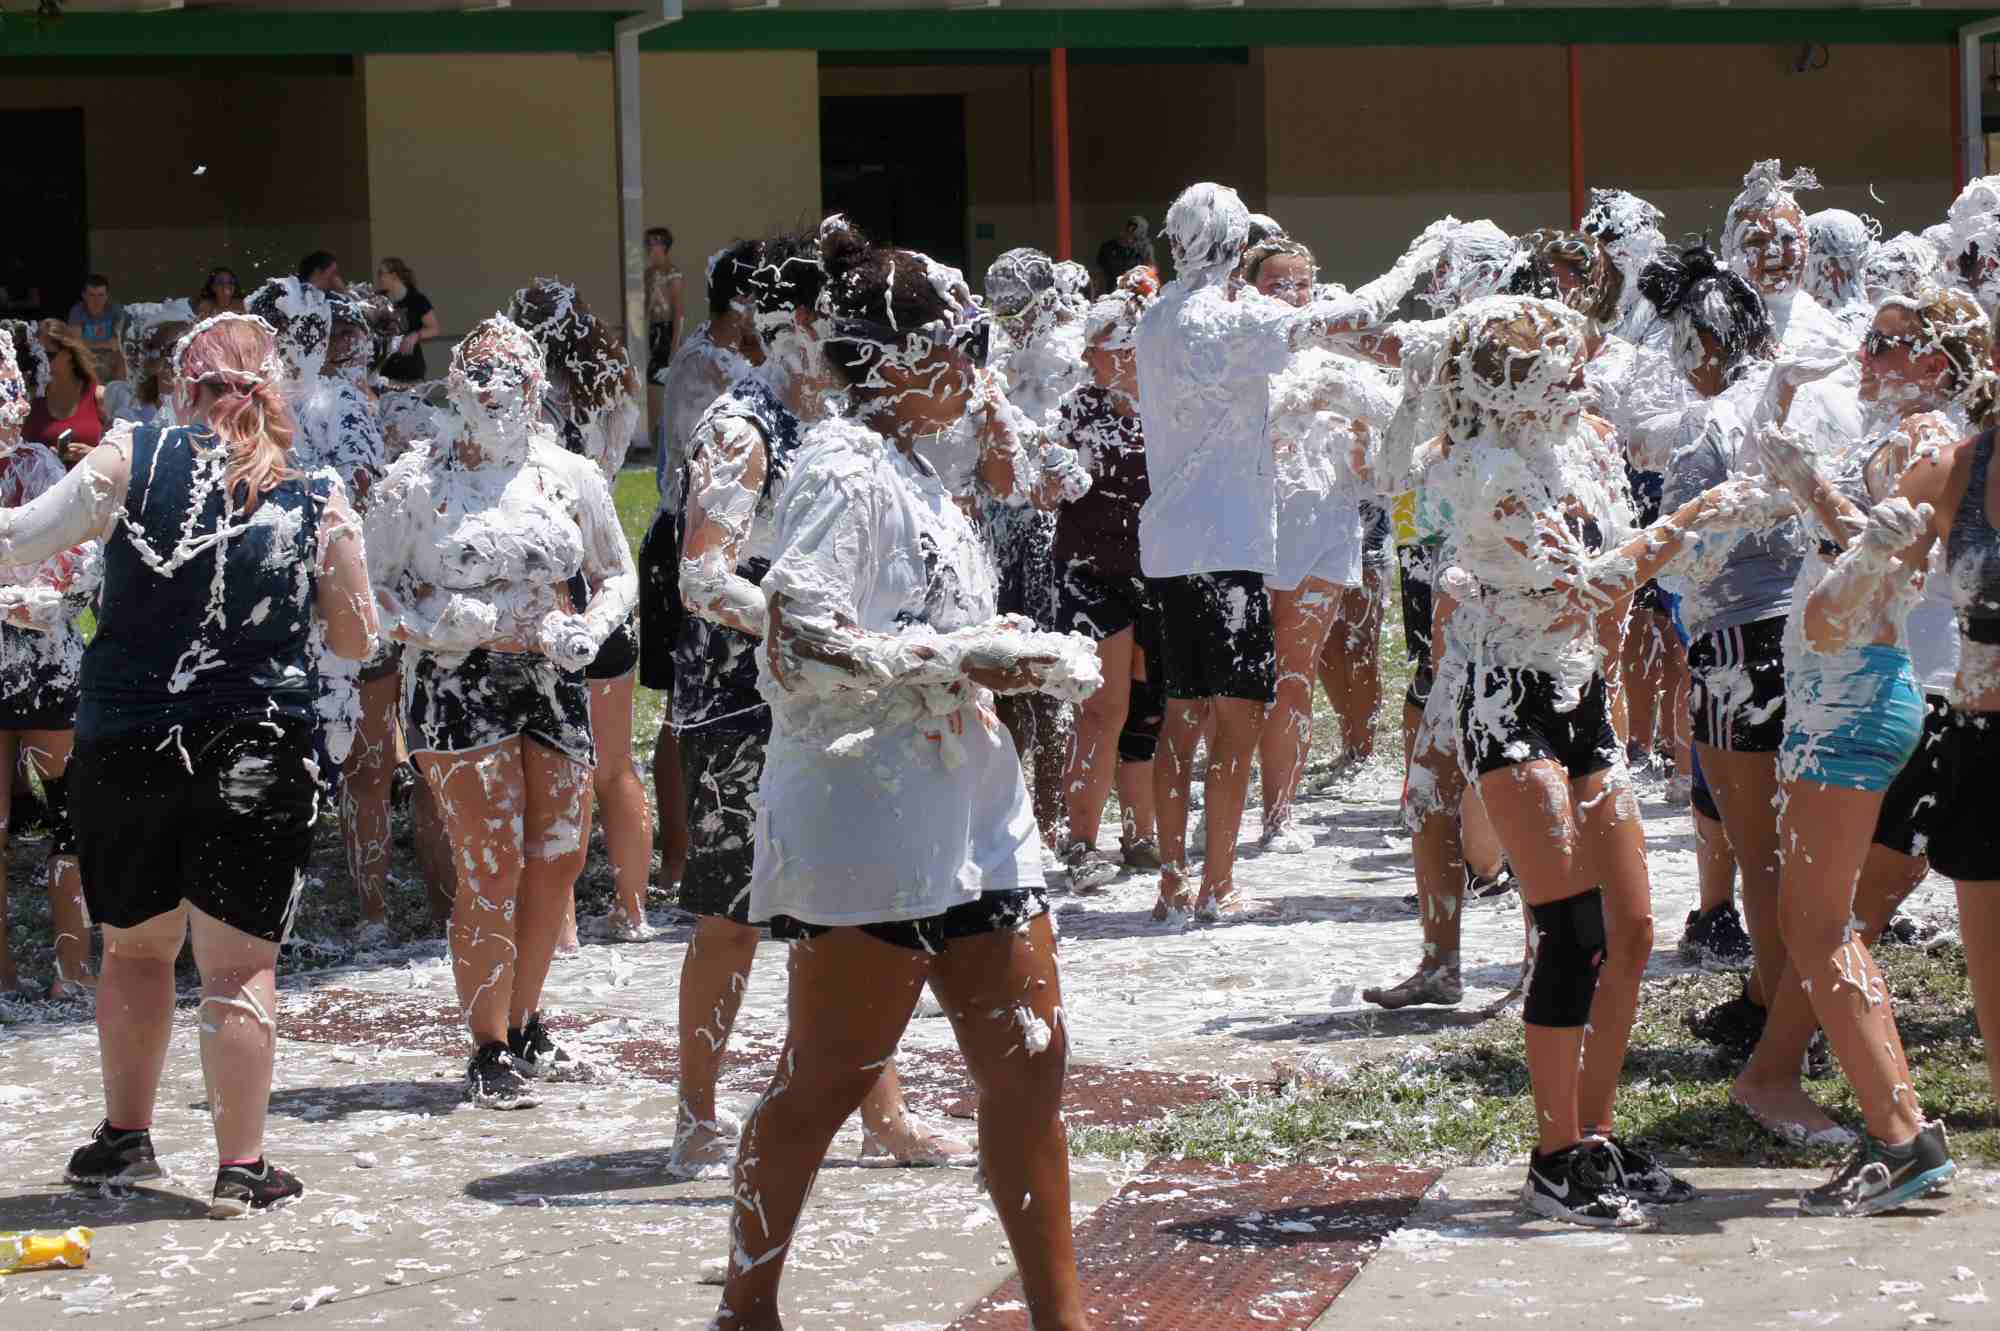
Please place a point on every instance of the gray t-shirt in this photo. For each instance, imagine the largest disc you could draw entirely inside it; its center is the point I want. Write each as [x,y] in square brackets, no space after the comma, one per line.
[1752,578]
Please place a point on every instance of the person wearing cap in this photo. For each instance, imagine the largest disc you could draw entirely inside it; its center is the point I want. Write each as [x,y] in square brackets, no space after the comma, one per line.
[1131,248]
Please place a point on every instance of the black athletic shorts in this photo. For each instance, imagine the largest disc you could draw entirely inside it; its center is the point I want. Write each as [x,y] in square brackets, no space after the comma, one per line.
[987,913]
[1419,566]
[1736,687]
[1100,604]
[619,656]
[1910,806]
[1375,529]
[660,611]
[1965,836]
[216,813]
[457,704]
[1216,639]
[1699,795]
[384,663]
[40,695]
[720,765]
[1531,729]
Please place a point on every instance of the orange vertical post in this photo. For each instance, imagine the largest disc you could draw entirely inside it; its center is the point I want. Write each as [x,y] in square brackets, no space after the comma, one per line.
[1059,130]
[1576,188]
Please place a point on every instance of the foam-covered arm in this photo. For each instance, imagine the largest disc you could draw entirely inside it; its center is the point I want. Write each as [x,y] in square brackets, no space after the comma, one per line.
[1846,607]
[1371,304]
[79,508]
[572,640]
[344,600]
[726,477]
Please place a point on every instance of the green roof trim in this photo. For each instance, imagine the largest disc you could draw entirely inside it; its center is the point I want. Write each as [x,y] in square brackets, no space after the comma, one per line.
[204,32]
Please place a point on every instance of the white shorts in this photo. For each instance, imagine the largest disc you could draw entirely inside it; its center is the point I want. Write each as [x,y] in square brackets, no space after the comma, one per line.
[1319,536]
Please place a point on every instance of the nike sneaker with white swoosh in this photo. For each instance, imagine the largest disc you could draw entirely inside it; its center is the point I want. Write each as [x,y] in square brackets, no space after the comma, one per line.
[1579,1185]
[1879,1177]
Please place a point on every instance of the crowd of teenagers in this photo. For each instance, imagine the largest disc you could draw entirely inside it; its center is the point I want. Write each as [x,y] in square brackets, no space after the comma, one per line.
[933,573]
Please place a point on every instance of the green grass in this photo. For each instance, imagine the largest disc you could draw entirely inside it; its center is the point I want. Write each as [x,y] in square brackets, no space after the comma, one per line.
[1463,1098]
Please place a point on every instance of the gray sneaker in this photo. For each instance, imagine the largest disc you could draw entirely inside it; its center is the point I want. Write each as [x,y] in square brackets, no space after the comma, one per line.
[1879,1177]
[1087,868]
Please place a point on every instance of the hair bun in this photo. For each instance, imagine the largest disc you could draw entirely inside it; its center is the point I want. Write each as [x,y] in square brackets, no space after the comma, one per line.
[841,244]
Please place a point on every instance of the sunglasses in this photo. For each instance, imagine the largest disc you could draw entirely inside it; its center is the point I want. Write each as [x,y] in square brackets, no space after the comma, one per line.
[1881,344]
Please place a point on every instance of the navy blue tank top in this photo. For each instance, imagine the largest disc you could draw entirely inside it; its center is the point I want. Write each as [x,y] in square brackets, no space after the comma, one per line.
[715,667]
[200,618]
[1973,553]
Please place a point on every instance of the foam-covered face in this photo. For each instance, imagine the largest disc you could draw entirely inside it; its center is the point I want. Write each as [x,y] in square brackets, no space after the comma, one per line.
[13,391]
[1286,277]
[496,384]
[1897,369]
[789,341]
[1768,248]
[1114,365]
[1700,357]
[1514,383]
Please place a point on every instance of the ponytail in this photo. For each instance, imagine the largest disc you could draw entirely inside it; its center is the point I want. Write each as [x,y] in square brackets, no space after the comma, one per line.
[233,356]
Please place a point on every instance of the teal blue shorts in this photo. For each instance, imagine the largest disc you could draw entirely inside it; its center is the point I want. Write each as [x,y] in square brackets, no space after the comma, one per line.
[1856,726]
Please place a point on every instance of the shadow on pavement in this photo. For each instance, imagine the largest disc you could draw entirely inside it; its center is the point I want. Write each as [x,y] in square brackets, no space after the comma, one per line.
[580,1180]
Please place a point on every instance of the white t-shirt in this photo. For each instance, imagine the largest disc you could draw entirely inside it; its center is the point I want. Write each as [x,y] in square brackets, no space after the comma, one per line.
[901,801]
[1203,396]
[1315,401]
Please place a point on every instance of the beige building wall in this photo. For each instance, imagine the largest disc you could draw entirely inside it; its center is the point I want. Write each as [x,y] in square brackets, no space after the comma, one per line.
[488,170]
[282,148]
[1369,145]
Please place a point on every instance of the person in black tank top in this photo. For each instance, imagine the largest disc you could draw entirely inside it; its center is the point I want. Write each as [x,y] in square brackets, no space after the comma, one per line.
[193,789]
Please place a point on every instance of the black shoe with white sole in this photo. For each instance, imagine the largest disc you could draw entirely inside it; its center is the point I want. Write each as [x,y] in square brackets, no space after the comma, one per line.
[241,1189]
[1643,1178]
[494,1081]
[113,1157]
[1579,1185]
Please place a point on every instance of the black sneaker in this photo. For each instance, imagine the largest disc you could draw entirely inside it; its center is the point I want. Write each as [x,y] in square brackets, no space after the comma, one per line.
[536,1055]
[1579,1185]
[113,1157]
[1643,1178]
[1715,937]
[1733,1027]
[1879,1177]
[492,1081]
[1481,888]
[241,1189]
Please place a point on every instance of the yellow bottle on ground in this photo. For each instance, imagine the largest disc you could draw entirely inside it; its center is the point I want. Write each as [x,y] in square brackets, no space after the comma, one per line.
[39,1252]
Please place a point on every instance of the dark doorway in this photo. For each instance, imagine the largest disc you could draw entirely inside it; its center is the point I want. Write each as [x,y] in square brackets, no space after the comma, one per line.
[41,177]
[896,165]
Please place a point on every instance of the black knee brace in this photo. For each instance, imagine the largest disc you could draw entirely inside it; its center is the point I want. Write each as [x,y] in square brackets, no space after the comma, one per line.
[55,795]
[1144,715]
[1569,951]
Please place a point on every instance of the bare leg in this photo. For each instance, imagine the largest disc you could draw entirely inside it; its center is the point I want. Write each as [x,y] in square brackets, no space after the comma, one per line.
[1611,852]
[1053,725]
[1530,805]
[434,857]
[1349,670]
[628,821]
[1715,863]
[1979,926]
[10,976]
[1173,770]
[1745,786]
[1674,671]
[1300,620]
[672,810]
[713,976]
[851,997]
[1238,723]
[1135,799]
[239,1032]
[988,985]
[364,795]
[1483,852]
[135,1014]
[1093,752]
[554,840]
[481,797]
[1433,793]
[48,753]
[1825,832]
[888,1130]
